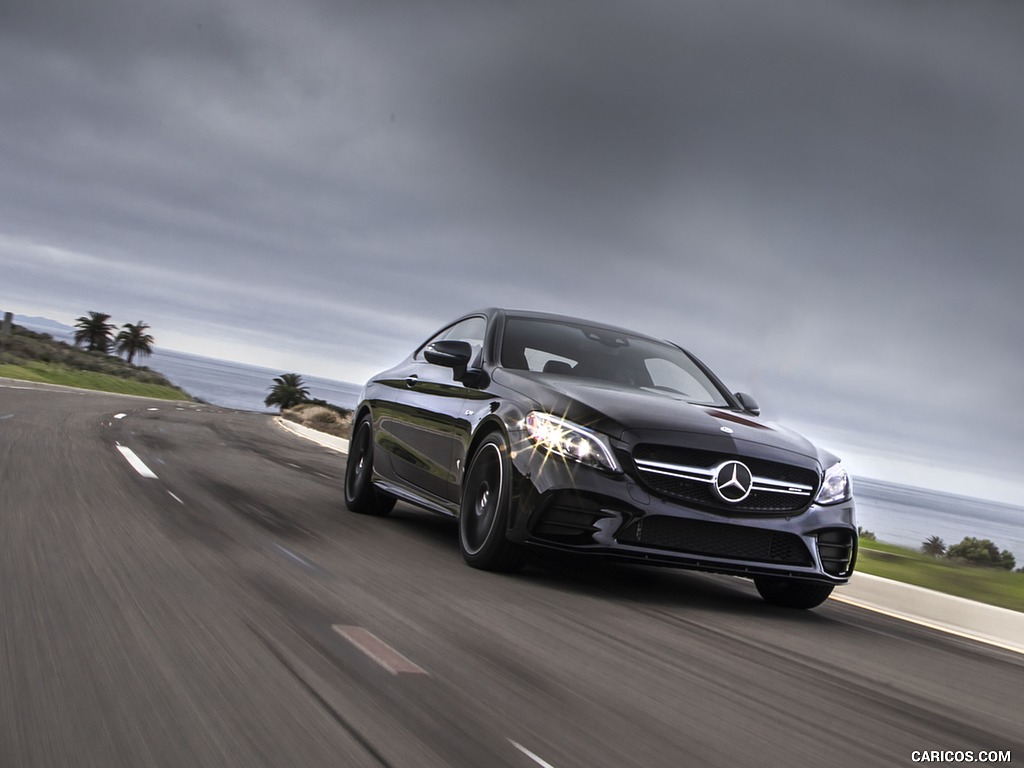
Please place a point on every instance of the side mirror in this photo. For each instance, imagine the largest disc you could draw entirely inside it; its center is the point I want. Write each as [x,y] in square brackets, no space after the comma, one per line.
[449,354]
[748,403]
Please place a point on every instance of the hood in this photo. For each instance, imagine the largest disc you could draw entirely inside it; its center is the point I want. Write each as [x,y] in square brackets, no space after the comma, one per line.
[613,409]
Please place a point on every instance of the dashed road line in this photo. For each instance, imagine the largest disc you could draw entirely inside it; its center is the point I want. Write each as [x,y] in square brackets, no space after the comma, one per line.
[173,496]
[531,755]
[120,415]
[297,558]
[379,651]
[136,463]
[8,416]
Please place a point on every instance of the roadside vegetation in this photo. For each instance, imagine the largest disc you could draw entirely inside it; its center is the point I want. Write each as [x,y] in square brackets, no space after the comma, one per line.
[972,550]
[322,417]
[290,394]
[287,391]
[954,576]
[32,356]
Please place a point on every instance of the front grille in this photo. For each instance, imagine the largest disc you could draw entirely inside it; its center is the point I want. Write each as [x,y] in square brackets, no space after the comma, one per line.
[736,542]
[688,475]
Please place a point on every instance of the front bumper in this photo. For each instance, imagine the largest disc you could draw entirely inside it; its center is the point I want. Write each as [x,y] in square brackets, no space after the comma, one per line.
[559,504]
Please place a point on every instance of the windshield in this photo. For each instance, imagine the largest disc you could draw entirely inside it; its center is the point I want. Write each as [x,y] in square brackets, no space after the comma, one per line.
[592,352]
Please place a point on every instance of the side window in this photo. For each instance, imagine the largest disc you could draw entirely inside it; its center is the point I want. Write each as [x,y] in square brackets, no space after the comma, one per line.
[471,329]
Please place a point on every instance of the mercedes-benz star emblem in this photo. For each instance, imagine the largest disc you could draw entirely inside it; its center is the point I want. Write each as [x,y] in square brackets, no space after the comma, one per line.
[733,481]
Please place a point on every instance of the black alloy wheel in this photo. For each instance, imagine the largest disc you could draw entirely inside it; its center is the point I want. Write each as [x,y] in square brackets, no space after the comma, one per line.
[483,516]
[360,495]
[792,593]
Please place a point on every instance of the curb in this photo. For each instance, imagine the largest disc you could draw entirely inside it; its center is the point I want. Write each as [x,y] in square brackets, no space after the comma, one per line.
[954,615]
[338,444]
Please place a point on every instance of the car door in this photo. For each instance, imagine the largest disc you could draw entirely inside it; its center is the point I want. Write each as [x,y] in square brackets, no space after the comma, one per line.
[430,420]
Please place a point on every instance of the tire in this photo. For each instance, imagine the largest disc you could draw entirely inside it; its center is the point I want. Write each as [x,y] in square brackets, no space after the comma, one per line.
[360,495]
[483,516]
[792,593]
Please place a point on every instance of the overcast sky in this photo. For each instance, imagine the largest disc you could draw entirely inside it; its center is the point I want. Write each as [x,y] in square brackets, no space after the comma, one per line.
[823,200]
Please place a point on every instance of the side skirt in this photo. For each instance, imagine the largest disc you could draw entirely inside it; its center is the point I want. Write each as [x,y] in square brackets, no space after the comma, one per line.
[448,509]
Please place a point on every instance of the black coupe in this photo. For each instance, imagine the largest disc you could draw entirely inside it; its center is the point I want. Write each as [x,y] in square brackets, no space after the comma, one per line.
[538,430]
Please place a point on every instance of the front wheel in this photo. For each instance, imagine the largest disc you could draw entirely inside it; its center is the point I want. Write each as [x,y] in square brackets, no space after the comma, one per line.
[360,495]
[483,516]
[792,593]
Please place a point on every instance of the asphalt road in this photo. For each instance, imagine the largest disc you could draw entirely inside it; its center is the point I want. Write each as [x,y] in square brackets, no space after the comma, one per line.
[228,611]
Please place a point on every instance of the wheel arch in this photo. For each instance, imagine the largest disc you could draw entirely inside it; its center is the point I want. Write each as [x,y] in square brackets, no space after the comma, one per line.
[496,552]
[362,409]
[487,427]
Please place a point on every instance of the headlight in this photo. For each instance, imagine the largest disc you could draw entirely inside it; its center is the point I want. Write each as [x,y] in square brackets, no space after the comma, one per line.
[835,487]
[564,438]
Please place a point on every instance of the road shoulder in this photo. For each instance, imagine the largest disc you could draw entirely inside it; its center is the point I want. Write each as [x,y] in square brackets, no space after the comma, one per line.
[948,613]
[338,444]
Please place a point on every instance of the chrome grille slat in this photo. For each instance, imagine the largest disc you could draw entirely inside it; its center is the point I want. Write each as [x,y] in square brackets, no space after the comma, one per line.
[708,476]
[775,487]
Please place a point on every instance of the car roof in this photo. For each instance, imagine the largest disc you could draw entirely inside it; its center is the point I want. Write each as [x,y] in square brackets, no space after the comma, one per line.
[493,312]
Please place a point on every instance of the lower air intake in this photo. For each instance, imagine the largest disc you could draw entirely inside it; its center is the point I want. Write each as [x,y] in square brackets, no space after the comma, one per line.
[835,548]
[734,542]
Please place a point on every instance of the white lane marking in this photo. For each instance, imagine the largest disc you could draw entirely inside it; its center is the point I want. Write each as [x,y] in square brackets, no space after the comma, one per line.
[176,498]
[379,651]
[8,416]
[530,754]
[292,555]
[152,409]
[137,464]
[928,624]
[120,415]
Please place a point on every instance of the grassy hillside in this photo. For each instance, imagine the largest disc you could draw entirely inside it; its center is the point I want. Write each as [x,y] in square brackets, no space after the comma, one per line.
[32,356]
[994,586]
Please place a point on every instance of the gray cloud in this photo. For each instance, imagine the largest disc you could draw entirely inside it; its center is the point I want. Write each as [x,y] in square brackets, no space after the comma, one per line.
[820,199]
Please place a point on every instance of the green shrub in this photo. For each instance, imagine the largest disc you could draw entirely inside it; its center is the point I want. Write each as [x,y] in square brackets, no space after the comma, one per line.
[981,552]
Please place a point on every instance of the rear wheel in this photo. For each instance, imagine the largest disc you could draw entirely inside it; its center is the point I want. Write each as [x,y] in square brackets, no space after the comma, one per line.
[483,516]
[360,495]
[792,593]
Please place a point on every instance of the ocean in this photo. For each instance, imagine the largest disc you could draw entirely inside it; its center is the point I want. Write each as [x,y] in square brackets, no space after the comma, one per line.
[897,514]
[237,385]
[905,515]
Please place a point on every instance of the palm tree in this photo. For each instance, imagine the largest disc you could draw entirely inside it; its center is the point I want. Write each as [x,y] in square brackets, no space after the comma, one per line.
[94,331]
[133,340]
[288,391]
[934,546]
